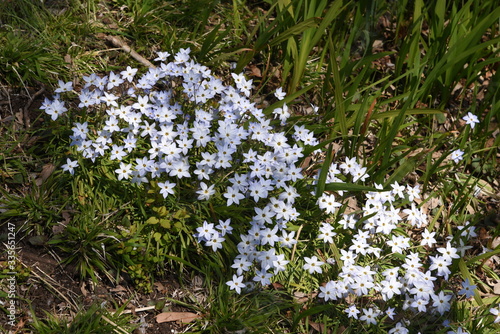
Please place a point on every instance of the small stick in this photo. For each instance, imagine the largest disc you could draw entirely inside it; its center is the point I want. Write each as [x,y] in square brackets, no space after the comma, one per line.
[118,42]
[141,309]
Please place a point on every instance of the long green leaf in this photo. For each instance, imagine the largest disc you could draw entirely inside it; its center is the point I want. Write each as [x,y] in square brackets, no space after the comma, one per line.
[483,256]
[295,30]
[464,270]
[339,186]
[320,188]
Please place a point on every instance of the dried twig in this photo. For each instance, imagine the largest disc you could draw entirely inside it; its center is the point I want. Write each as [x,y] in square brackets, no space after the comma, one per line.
[118,42]
[140,309]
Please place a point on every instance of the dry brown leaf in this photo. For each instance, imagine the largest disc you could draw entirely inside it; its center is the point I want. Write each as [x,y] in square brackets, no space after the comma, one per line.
[416,152]
[61,226]
[277,286]
[432,203]
[301,297]
[160,287]
[254,71]
[184,317]
[495,242]
[319,327]
[83,289]
[306,163]
[352,205]
[378,44]
[496,288]
[47,170]
[118,288]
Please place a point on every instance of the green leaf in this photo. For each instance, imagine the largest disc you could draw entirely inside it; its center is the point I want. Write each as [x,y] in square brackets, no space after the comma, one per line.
[404,169]
[178,259]
[464,270]
[181,214]
[339,186]
[295,30]
[152,220]
[157,236]
[483,256]
[162,211]
[396,112]
[310,311]
[320,187]
[165,222]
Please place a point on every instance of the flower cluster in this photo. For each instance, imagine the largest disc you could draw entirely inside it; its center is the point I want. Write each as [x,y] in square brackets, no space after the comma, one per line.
[375,235]
[197,129]
[178,124]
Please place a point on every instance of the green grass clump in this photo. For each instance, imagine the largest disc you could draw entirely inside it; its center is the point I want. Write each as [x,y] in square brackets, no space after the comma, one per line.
[93,320]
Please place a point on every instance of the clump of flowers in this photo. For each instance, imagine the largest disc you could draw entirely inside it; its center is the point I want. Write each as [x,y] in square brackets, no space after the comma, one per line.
[178,127]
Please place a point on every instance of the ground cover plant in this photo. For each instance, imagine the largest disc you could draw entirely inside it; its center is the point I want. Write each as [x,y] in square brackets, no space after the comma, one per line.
[283,167]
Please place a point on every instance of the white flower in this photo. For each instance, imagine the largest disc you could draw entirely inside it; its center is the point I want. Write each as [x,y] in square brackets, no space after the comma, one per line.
[441,302]
[352,312]
[313,265]
[205,192]
[236,284]
[64,86]
[496,312]
[428,238]
[471,119]
[124,171]
[233,196]
[166,188]
[327,202]
[457,155]
[369,316]
[280,95]
[458,331]
[69,166]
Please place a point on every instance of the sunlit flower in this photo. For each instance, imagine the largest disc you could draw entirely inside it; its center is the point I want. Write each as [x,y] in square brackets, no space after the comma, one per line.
[471,119]
[457,155]
[70,166]
[236,283]
[313,265]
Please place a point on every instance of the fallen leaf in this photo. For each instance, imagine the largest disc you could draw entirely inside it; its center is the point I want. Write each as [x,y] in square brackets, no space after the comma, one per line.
[160,287]
[254,71]
[495,243]
[84,290]
[61,226]
[432,203]
[319,327]
[184,317]
[47,170]
[496,289]
[301,297]
[118,288]
[277,286]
